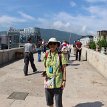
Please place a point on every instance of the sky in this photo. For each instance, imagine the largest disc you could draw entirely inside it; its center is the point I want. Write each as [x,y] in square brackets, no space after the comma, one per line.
[77,16]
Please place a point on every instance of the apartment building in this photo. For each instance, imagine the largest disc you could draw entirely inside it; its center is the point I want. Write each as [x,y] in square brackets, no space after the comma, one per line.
[85,40]
[9,39]
[102,34]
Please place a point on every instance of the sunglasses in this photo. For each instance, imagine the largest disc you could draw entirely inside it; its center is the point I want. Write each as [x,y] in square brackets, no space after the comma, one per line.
[52,43]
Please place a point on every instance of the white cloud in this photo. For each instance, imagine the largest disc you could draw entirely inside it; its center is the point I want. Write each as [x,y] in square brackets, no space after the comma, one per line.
[84,28]
[97,11]
[60,24]
[72,3]
[9,20]
[79,24]
[26,16]
[96,1]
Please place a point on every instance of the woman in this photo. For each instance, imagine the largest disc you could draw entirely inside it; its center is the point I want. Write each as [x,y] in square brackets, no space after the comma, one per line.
[55,79]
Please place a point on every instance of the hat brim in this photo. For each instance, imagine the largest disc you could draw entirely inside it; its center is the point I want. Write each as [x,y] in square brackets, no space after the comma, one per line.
[58,43]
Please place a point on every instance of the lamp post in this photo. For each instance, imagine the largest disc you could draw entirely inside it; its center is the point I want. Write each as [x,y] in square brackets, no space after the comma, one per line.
[19,40]
[70,38]
[8,39]
[0,43]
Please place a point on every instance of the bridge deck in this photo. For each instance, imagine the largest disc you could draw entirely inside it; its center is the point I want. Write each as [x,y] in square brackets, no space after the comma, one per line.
[85,86]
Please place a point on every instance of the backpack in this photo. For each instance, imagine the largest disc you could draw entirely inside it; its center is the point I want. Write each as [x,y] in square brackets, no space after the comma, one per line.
[64,49]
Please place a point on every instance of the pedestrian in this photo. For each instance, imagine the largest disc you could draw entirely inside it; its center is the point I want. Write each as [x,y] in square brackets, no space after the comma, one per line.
[55,77]
[78,45]
[44,47]
[64,50]
[39,49]
[28,56]
[74,47]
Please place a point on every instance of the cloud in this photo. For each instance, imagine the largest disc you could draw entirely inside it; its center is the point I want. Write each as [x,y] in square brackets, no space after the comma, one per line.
[26,16]
[97,11]
[9,20]
[96,1]
[80,24]
[73,4]
[84,28]
[60,24]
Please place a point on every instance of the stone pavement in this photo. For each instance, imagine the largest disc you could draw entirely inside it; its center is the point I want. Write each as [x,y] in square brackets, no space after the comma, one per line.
[85,87]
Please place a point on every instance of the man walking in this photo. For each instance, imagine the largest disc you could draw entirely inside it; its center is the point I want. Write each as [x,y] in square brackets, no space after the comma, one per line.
[28,56]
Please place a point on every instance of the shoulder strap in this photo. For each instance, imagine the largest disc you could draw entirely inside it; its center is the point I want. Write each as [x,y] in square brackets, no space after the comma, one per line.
[60,59]
[46,54]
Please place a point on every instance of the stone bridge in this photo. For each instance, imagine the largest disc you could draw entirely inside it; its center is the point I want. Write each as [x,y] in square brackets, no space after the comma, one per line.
[85,86]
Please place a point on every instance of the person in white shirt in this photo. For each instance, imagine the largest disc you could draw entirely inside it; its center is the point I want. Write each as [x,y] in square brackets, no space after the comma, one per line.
[28,56]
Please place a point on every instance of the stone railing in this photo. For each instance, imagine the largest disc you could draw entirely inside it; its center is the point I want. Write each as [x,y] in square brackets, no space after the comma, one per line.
[9,55]
[96,59]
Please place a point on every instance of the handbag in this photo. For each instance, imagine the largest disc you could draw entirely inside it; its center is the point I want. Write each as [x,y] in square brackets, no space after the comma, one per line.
[49,83]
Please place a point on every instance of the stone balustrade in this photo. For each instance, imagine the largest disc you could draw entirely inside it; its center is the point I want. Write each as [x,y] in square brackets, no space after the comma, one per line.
[9,55]
[96,59]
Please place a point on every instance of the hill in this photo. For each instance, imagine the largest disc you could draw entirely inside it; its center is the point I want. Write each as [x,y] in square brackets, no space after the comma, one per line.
[60,35]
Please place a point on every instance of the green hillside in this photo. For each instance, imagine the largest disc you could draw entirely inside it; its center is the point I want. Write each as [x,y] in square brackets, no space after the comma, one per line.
[60,35]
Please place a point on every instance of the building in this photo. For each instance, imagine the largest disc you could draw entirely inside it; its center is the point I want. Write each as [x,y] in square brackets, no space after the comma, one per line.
[96,38]
[3,40]
[16,38]
[85,40]
[9,39]
[13,37]
[32,32]
[102,34]
[3,37]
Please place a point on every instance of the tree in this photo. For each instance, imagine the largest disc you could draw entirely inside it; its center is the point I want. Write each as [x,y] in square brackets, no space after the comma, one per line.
[92,45]
[99,44]
[102,43]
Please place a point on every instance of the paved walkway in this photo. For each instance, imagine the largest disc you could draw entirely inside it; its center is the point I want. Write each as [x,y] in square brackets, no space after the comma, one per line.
[85,86]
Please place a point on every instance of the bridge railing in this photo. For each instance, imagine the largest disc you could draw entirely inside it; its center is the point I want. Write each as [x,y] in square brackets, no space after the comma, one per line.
[9,55]
[96,59]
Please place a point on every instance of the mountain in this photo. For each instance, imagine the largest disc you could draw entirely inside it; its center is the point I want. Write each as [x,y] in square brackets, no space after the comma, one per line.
[60,35]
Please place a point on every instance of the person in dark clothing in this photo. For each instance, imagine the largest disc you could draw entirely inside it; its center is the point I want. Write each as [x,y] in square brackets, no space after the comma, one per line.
[78,45]
[28,56]
[39,53]
[44,47]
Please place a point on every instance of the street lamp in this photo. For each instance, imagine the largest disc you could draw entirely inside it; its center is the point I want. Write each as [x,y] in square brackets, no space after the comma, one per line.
[70,38]
[8,39]
[19,40]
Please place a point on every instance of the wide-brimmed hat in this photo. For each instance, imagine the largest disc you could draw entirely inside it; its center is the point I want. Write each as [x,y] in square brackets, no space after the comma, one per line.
[51,40]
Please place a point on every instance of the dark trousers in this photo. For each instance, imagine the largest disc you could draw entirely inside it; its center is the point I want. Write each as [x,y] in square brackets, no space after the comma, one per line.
[78,54]
[50,93]
[29,57]
[39,56]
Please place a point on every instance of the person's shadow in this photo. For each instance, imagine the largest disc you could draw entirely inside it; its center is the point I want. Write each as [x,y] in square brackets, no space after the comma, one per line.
[70,62]
[90,104]
[35,73]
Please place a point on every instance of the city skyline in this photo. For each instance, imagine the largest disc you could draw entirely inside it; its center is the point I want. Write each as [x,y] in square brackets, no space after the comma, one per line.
[77,16]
